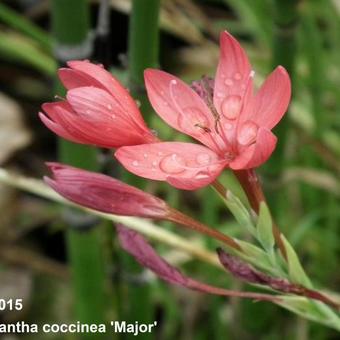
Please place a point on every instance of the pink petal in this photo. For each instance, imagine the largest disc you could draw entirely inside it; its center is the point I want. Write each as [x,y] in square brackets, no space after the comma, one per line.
[136,245]
[233,71]
[84,128]
[57,129]
[192,183]
[104,193]
[183,164]
[272,100]
[179,105]
[109,83]
[72,79]
[257,153]
[94,102]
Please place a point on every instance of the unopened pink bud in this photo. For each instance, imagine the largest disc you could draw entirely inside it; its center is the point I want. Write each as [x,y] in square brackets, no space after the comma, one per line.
[104,193]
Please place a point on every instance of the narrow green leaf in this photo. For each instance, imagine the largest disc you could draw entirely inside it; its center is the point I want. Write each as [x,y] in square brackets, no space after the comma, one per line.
[264,228]
[240,212]
[21,24]
[295,270]
[255,256]
[14,46]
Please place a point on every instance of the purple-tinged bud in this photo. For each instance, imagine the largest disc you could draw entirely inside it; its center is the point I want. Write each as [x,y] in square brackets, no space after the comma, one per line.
[104,193]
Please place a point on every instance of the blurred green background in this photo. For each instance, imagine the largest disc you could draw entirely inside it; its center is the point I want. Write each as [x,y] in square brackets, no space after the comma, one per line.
[39,249]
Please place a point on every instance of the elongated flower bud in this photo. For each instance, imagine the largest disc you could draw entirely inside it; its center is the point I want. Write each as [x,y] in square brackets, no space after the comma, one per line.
[103,193]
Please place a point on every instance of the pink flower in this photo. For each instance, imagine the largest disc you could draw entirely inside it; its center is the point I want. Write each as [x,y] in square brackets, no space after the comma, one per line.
[233,123]
[98,110]
[103,193]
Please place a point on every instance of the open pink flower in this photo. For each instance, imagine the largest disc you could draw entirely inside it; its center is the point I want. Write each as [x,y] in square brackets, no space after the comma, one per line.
[98,110]
[233,123]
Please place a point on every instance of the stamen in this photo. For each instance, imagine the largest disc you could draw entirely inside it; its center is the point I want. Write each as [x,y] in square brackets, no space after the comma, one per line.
[209,101]
[206,129]
[59,97]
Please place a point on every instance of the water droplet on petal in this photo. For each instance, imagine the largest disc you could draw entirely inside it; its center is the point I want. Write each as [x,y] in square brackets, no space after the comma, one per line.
[228,82]
[154,163]
[228,126]
[203,158]
[135,163]
[173,81]
[88,112]
[202,175]
[113,116]
[237,76]
[247,133]
[166,103]
[231,106]
[154,132]
[109,106]
[160,153]
[172,164]
[145,155]
[220,94]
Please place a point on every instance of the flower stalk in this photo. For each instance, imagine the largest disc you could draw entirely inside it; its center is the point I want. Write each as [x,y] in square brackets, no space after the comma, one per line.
[253,189]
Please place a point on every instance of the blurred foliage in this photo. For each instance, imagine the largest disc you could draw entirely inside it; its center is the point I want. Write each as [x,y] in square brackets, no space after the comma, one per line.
[307,188]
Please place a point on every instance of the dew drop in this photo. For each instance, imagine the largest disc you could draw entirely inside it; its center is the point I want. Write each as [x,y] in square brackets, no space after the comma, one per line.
[237,76]
[160,153]
[145,155]
[135,163]
[109,106]
[166,103]
[172,164]
[202,175]
[228,82]
[220,94]
[203,158]
[231,107]
[154,163]
[247,133]
[173,81]
[113,116]
[228,126]
[88,112]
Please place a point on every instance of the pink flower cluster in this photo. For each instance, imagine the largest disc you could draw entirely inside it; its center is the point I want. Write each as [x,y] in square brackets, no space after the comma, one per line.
[232,123]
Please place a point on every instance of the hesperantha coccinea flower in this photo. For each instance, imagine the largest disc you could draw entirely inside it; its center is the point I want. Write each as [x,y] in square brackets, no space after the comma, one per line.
[232,123]
[97,110]
[224,114]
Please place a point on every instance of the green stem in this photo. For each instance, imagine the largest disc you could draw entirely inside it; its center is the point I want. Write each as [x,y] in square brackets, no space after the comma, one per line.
[143,39]
[143,47]
[70,24]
